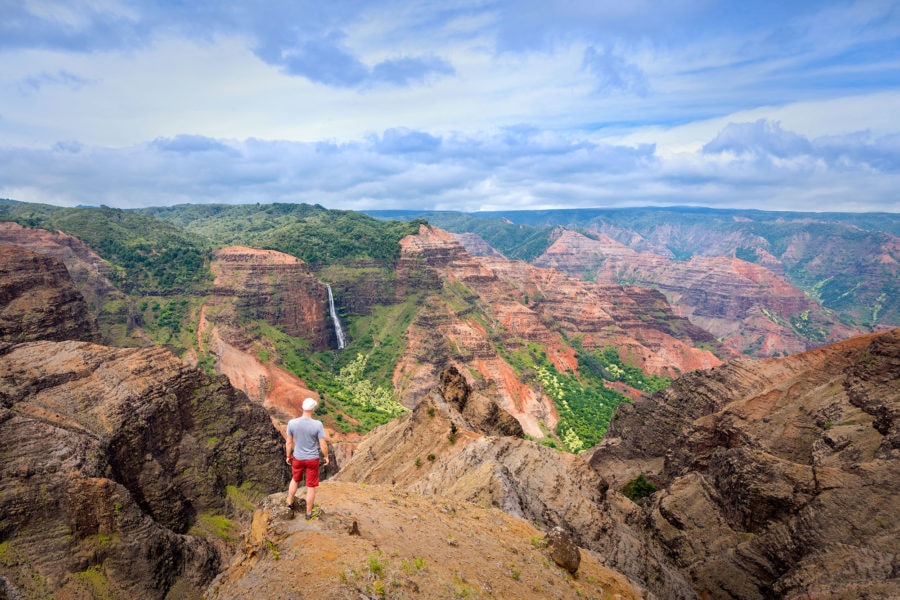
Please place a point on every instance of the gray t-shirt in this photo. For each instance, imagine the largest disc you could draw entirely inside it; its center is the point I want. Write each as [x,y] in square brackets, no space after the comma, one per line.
[307,433]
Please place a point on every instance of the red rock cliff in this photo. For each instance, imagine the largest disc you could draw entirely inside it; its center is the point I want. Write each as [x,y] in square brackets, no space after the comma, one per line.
[476,304]
[748,306]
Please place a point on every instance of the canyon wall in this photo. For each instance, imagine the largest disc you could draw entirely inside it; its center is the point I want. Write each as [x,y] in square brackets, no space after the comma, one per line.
[115,463]
[776,478]
[748,306]
[476,309]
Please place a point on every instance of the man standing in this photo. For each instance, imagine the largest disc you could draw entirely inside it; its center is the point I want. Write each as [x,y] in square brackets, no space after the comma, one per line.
[305,438]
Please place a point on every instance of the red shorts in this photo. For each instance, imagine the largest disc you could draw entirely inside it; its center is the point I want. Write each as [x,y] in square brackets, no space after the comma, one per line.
[310,466]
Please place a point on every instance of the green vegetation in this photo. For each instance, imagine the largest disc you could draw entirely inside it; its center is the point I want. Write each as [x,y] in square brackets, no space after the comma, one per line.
[245,497]
[353,395]
[212,525]
[95,580]
[606,364]
[310,232]
[148,255]
[524,242]
[584,405]
[638,488]
[376,564]
[411,567]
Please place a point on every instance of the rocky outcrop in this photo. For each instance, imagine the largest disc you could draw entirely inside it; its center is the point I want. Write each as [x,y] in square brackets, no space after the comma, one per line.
[748,306]
[379,542]
[477,310]
[114,463]
[776,478]
[112,460]
[91,274]
[274,287]
[38,300]
[480,412]
[263,285]
[434,450]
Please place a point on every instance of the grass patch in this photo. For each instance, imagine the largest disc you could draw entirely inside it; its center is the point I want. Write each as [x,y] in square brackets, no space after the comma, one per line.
[212,525]
[96,582]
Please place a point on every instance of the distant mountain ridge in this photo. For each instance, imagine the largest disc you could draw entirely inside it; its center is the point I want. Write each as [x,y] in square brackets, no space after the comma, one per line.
[848,262]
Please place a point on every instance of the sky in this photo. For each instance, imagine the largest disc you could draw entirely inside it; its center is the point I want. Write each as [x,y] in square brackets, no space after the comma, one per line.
[452,105]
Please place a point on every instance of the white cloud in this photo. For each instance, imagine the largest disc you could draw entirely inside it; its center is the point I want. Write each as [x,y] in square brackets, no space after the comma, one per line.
[456,104]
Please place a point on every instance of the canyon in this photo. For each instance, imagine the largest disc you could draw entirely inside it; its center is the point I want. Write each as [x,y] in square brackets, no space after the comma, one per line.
[745,305]
[164,477]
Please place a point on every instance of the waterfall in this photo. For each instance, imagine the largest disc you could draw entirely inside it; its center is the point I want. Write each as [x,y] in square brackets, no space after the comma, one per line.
[334,319]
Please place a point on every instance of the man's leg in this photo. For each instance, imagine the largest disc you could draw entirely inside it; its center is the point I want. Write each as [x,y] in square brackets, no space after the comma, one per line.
[310,499]
[292,491]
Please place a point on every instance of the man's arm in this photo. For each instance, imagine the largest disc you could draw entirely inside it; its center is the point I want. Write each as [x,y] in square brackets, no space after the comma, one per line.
[323,446]
[289,448]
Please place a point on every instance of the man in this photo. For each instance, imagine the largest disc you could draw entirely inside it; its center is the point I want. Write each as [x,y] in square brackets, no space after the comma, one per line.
[305,438]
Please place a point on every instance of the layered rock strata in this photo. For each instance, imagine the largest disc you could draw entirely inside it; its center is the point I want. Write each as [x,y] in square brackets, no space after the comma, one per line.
[475,310]
[39,301]
[777,478]
[114,463]
[91,274]
[273,287]
[751,308]
[437,451]
[278,289]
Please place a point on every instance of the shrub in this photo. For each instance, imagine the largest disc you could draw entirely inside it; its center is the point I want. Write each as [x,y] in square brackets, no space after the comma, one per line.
[638,488]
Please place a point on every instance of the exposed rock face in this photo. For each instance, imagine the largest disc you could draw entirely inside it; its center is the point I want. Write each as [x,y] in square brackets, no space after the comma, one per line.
[473,305]
[273,287]
[39,301]
[475,245]
[90,273]
[747,305]
[481,413]
[777,478]
[433,450]
[277,288]
[107,458]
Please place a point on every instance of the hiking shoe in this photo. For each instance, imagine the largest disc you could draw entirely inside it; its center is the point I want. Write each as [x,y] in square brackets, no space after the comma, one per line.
[316,512]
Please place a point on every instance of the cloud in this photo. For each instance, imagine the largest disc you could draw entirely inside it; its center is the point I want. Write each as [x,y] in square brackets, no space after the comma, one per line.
[613,72]
[188,144]
[405,141]
[63,78]
[302,37]
[745,165]
[462,104]
[406,71]
[759,138]
[764,139]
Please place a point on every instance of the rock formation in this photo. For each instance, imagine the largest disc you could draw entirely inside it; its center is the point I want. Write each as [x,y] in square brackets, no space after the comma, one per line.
[776,478]
[475,309]
[270,286]
[115,463]
[39,301]
[749,307]
[378,542]
[435,451]
[254,286]
[90,273]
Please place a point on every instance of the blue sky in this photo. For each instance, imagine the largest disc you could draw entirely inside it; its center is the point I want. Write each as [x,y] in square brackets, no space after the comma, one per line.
[459,105]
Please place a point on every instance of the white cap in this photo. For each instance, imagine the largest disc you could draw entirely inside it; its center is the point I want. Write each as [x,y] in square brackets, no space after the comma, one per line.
[309,404]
